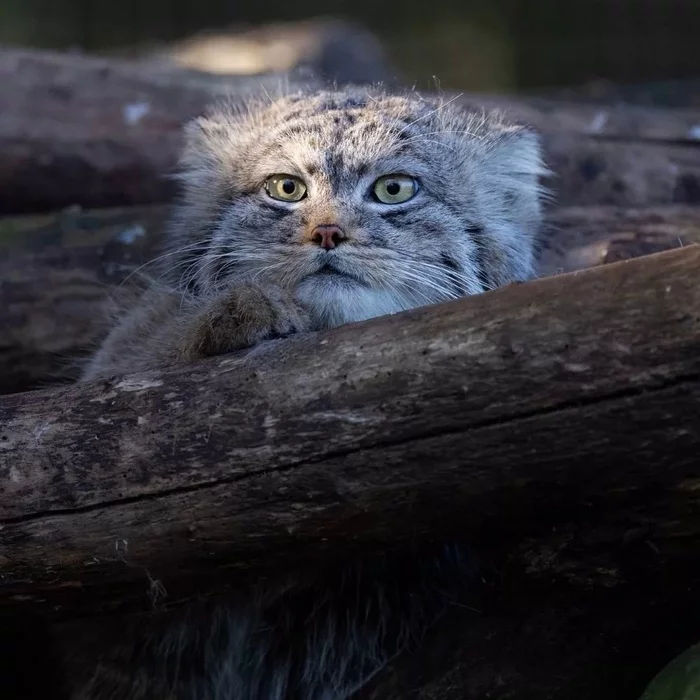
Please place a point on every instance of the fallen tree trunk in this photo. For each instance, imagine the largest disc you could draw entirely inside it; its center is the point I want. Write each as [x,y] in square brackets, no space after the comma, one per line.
[577,238]
[58,272]
[565,403]
[96,131]
[57,276]
[104,132]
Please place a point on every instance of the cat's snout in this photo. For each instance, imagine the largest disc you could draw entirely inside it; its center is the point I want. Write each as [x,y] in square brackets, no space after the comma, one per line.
[328,236]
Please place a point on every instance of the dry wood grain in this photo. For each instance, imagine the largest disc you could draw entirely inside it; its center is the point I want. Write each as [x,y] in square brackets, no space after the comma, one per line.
[568,400]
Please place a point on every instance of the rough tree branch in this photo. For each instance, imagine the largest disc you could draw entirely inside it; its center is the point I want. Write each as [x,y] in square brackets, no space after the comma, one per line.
[504,416]
[56,272]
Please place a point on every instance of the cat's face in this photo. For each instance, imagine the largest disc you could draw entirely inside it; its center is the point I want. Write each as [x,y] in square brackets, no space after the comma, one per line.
[362,204]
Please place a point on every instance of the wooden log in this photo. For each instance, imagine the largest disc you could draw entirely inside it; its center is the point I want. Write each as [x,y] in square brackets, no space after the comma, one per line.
[103,132]
[681,92]
[78,130]
[581,237]
[59,272]
[504,419]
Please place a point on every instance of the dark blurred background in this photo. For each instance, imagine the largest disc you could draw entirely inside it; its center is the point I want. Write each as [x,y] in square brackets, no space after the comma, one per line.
[494,45]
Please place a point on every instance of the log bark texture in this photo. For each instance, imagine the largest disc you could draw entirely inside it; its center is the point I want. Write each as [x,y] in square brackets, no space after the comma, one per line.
[103,132]
[58,275]
[569,404]
[59,272]
[78,130]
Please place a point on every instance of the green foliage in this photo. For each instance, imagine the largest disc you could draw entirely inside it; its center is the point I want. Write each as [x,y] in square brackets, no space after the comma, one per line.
[680,680]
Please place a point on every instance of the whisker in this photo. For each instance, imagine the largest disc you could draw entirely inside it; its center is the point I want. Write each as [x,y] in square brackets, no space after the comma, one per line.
[137,270]
[418,268]
[412,275]
[441,106]
[463,132]
[420,139]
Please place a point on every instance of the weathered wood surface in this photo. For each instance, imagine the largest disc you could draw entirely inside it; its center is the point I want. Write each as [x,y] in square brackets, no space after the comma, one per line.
[104,132]
[58,272]
[577,238]
[96,131]
[682,92]
[569,402]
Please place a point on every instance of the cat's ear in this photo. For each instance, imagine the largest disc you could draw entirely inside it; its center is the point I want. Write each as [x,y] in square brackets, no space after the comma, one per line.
[219,122]
[204,127]
[516,172]
[209,141]
[200,165]
[204,132]
[516,151]
[512,196]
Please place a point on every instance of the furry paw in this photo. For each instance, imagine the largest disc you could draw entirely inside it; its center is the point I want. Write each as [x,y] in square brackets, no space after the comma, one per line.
[245,316]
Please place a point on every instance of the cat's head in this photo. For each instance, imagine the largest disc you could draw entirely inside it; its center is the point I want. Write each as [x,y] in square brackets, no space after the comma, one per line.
[362,203]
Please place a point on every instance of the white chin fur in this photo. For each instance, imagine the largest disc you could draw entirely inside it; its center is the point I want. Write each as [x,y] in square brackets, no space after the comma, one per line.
[336,300]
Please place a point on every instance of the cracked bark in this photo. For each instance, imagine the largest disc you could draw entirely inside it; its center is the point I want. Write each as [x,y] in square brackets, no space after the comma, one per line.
[568,402]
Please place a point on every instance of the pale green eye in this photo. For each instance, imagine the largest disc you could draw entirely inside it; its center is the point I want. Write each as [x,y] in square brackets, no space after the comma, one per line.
[286,188]
[394,189]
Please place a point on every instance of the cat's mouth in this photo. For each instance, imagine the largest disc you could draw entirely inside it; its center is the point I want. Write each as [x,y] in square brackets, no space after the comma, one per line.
[330,266]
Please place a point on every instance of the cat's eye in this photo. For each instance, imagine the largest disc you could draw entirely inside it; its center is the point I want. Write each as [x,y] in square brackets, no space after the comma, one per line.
[394,189]
[285,188]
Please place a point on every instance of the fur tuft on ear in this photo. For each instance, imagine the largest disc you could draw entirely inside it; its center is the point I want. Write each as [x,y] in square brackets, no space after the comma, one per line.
[211,147]
[519,165]
[511,196]
[516,156]
[203,134]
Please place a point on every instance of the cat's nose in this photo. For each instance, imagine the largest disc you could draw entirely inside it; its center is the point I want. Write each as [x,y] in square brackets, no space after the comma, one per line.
[328,236]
